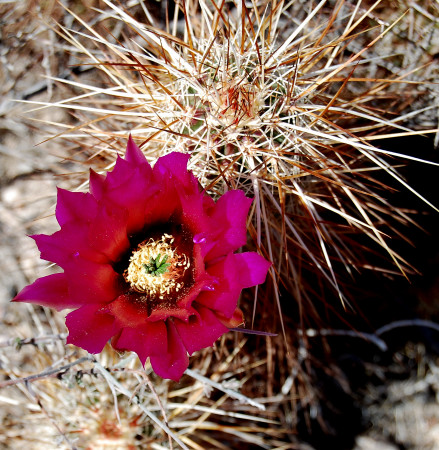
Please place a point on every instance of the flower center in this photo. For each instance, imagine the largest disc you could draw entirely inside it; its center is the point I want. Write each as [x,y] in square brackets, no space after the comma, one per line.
[157,268]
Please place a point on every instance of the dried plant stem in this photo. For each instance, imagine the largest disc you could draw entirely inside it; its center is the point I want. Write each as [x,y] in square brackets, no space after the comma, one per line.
[114,384]
[407,323]
[351,333]
[18,342]
[219,386]
[47,373]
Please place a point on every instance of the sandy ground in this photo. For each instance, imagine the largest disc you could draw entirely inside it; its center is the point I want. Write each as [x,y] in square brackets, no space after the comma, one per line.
[401,413]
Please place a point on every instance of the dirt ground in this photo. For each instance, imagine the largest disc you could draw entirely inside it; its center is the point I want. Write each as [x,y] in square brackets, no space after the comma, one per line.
[396,405]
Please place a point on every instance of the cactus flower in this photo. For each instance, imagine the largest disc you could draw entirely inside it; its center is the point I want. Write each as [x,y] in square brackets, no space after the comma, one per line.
[148,262]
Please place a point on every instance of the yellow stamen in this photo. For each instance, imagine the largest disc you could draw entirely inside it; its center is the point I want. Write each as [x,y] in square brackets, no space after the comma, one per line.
[163,284]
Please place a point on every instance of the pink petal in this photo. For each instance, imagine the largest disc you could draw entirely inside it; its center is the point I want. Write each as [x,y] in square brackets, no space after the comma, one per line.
[225,294]
[174,165]
[128,185]
[224,302]
[128,311]
[251,268]
[97,184]
[209,204]
[125,168]
[89,329]
[71,240]
[177,193]
[49,291]
[228,223]
[131,188]
[74,206]
[162,313]
[146,340]
[90,282]
[198,261]
[121,173]
[108,231]
[234,272]
[172,363]
[231,322]
[201,330]
[162,204]
[193,215]
[182,310]
[133,154]
[202,284]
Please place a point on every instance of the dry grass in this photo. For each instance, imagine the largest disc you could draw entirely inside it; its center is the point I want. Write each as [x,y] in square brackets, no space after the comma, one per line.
[281,99]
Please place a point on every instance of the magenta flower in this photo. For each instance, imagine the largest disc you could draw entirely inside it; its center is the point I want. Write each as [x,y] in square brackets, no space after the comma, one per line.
[148,262]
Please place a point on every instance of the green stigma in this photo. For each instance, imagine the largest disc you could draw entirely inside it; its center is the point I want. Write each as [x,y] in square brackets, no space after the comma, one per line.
[156,266]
